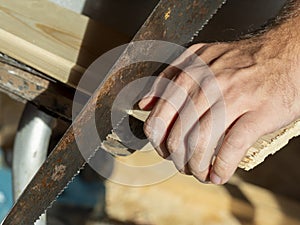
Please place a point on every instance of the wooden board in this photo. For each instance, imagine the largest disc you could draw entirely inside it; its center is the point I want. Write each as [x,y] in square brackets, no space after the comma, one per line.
[54,40]
[183,200]
[50,96]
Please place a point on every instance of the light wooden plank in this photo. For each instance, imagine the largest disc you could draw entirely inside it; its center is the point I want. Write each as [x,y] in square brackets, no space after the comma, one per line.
[182,199]
[52,39]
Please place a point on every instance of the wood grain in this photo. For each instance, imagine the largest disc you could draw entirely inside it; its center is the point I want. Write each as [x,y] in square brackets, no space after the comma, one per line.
[183,200]
[54,40]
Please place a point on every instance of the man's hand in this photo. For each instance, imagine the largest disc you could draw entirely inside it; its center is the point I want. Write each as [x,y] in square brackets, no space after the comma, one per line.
[205,124]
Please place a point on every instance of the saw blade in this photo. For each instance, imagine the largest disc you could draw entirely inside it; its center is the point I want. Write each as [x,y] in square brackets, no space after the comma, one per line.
[176,21]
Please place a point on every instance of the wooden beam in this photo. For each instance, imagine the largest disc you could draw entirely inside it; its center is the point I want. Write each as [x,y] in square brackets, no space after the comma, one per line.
[54,40]
[53,97]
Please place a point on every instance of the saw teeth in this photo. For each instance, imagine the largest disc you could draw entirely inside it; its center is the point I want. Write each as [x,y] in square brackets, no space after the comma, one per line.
[70,181]
[51,204]
[198,31]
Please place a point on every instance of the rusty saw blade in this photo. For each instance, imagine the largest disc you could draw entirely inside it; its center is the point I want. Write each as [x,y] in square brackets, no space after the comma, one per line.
[176,21]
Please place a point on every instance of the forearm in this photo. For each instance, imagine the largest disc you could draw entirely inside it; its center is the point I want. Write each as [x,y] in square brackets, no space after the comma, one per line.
[288,12]
[285,32]
[286,19]
[280,40]
[287,23]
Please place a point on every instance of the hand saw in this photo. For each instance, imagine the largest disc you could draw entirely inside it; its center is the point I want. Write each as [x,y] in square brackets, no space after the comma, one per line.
[176,21]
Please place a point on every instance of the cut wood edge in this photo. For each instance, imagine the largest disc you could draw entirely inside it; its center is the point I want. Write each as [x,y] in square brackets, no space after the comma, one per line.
[265,146]
[269,145]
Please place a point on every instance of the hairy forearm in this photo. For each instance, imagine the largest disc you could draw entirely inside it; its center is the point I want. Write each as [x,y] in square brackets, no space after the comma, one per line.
[288,12]
[279,39]
[287,18]
[287,30]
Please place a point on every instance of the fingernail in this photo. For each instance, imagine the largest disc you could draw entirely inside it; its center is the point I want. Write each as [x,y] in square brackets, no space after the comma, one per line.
[214,178]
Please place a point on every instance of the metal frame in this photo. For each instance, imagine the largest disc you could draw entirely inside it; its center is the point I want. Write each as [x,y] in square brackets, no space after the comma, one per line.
[30,148]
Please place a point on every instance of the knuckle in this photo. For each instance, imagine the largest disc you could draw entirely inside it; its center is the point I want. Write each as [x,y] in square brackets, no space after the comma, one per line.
[194,167]
[223,80]
[238,139]
[192,143]
[197,173]
[222,167]
[181,79]
[171,144]
[147,128]
[178,163]
[161,152]
[231,53]
[249,127]
[196,144]
[152,132]
[233,142]
[196,47]
[184,81]
[219,47]
[202,176]
[207,82]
